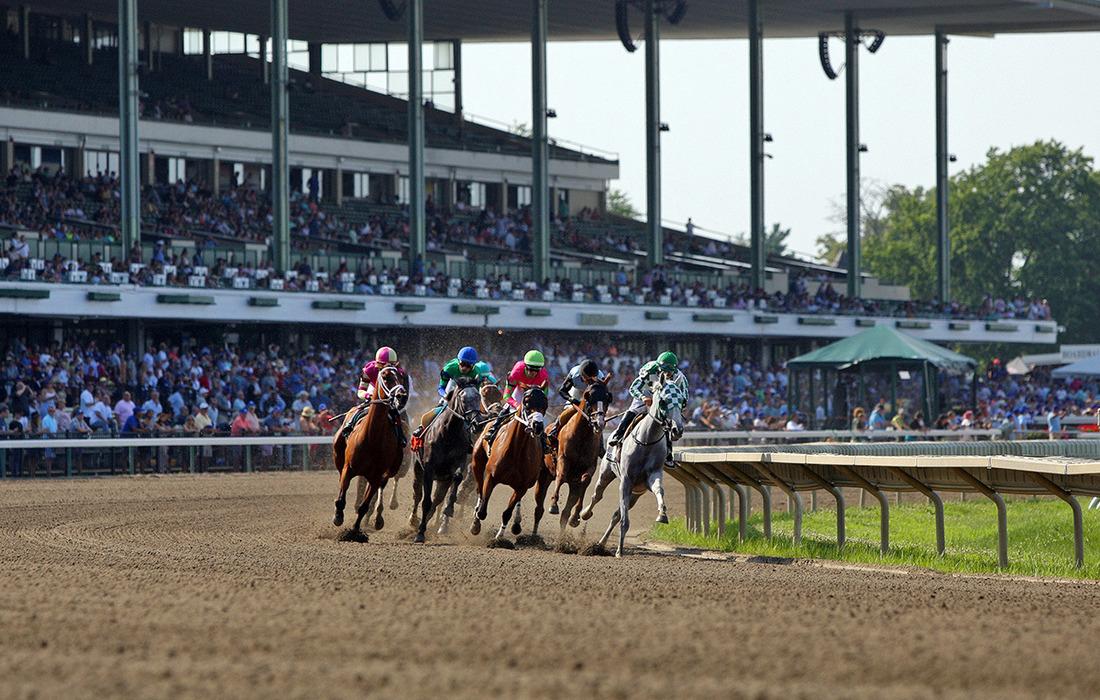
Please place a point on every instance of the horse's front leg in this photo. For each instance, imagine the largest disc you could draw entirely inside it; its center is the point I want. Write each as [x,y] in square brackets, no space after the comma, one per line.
[559,472]
[606,476]
[513,505]
[425,503]
[542,484]
[379,521]
[656,485]
[341,496]
[418,485]
[571,514]
[625,488]
[365,506]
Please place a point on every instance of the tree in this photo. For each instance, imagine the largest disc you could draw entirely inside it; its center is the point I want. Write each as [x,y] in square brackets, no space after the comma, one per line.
[1024,223]
[521,129]
[619,204]
[830,247]
[775,240]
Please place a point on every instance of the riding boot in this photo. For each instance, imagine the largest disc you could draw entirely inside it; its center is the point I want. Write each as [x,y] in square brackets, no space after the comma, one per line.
[620,432]
[551,436]
[359,413]
[670,463]
[395,417]
[494,429]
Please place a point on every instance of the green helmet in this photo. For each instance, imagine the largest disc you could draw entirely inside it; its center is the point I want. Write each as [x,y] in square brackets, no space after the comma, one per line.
[534,358]
[668,361]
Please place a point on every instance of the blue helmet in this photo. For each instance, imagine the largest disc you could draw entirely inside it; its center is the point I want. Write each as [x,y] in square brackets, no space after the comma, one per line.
[468,354]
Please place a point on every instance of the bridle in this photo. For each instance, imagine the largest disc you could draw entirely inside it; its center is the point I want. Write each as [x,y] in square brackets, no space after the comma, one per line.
[665,421]
[388,395]
[469,417]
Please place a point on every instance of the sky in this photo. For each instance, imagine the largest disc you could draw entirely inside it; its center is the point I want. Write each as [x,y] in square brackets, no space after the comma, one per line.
[1003,91]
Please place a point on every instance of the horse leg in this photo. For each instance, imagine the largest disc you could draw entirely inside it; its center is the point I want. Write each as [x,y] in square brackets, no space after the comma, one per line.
[425,504]
[418,484]
[606,476]
[571,513]
[365,506]
[482,509]
[557,491]
[452,496]
[360,489]
[657,487]
[393,494]
[513,504]
[379,521]
[345,481]
[442,488]
[542,484]
[607,533]
[625,488]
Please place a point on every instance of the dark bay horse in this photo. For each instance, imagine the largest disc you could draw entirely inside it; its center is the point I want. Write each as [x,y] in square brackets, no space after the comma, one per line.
[373,450]
[580,444]
[462,491]
[514,459]
[446,448]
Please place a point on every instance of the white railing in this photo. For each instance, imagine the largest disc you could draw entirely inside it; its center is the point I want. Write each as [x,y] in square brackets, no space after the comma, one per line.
[757,436]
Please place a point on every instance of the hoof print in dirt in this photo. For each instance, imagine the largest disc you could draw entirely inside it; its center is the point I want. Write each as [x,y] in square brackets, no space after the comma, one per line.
[594,549]
[352,536]
[501,544]
[534,541]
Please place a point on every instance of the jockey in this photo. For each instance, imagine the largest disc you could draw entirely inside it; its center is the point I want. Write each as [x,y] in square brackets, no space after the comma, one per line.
[528,373]
[464,366]
[368,380]
[664,370]
[572,390]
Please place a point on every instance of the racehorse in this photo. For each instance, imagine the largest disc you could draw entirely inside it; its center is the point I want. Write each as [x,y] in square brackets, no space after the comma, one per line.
[463,490]
[641,461]
[372,450]
[445,449]
[514,459]
[580,442]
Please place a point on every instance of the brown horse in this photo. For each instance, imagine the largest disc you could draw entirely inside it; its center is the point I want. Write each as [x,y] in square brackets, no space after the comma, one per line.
[580,442]
[373,450]
[514,459]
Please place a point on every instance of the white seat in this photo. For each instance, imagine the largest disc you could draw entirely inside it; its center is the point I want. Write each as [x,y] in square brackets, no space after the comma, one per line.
[347,277]
[170,270]
[160,279]
[323,276]
[519,294]
[420,290]
[506,286]
[196,281]
[313,286]
[482,293]
[230,272]
[37,264]
[666,300]
[389,290]
[720,302]
[578,295]
[276,284]
[639,298]
[402,280]
[76,276]
[624,291]
[136,268]
[242,283]
[605,298]
[290,275]
[693,301]
[601,289]
[454,282]
[480,283]
[548,295]
[120,278]
[347,287]
[555,287]
[373,280]
[106,268]
[201,271]
[28,274]
[531,285]
[261,274]
[452,292]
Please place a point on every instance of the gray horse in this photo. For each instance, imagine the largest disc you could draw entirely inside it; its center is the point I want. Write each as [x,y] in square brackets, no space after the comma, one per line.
[640,466]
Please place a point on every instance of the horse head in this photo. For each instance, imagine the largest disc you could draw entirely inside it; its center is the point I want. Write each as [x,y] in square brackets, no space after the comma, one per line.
[491,395]
[668,409]
[465,402]
[535,404]
[595,402]
[389,388]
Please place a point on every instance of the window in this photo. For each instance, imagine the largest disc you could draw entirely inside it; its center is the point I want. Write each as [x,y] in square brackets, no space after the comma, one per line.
[192,41]
[403,190]
[361,185]
[96,162]
[177,170]
[523,196]
[307,175]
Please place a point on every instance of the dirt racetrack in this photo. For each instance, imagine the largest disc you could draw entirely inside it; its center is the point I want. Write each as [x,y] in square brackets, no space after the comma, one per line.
[234,586]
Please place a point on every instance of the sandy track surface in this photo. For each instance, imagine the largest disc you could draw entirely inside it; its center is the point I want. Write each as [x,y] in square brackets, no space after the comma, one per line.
[235,586]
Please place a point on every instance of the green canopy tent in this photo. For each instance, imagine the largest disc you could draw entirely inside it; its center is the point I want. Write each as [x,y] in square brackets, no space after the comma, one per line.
[875,352]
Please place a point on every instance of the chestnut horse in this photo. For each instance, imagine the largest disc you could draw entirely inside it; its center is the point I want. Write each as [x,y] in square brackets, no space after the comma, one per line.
[580,444]
[373,450]
[514,459]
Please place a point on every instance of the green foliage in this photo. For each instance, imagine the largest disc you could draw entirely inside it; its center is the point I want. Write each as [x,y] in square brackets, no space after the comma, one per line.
[619,204]
[1026,222]
[1040,537]
[775,240]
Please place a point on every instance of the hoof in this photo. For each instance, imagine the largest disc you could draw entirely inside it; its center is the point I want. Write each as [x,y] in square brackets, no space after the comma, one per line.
[393,505]
[575,522]
[338,519]
[553,509]
[419,538]
[586,514]
[475,529]
[379,523]
[516,528]
[663,518]
[618,554]
[414,521]
[444,525]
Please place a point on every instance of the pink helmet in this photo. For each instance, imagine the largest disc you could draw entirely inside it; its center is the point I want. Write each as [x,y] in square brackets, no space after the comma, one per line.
[386,355]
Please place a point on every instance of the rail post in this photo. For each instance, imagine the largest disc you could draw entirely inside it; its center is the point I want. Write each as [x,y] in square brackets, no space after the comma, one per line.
[883,501]
[838,496]
[130,460]
[937,503]
[1078,523]
[248,458]
[792,497]
[765,494]
[68,462]
[1002,513]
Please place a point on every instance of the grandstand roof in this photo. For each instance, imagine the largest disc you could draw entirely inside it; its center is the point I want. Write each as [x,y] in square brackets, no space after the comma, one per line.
[594,20]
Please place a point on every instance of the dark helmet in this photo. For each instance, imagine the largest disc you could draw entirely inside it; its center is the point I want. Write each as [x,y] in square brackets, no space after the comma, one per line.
[589,368]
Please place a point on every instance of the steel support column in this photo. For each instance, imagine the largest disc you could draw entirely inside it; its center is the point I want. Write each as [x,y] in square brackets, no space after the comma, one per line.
[540,146]
[883,502]
[756,145]
[25,30]
[1075,506]
[87,38]
[415,35]
[130,223]
[943,242]
[851,87]
[1002,512]
[792,498]
[457,64]
[654,235]
[208,54]
[280,115]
